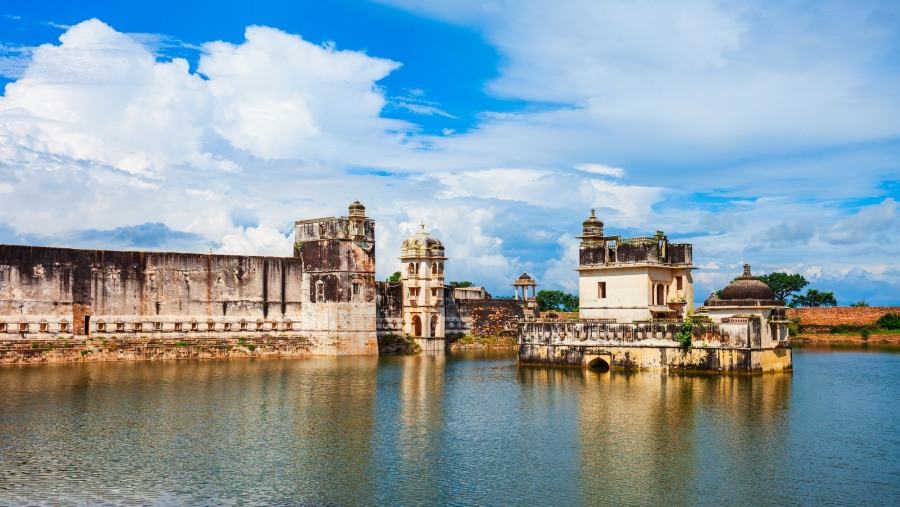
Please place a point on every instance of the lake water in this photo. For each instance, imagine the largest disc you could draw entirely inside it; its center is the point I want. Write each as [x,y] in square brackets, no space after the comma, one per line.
[458,429]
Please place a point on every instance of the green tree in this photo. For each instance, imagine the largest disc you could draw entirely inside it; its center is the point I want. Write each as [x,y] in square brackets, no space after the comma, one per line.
[463,284]
[395,277]
[556,300]
[860,304]
[813,298]
[783,284]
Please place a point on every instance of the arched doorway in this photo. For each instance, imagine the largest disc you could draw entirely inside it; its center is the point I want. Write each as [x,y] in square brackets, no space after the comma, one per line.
[434,324]
[417,325]
[599,365]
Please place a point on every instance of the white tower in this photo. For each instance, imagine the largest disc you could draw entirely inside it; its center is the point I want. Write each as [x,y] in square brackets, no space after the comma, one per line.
[423,287]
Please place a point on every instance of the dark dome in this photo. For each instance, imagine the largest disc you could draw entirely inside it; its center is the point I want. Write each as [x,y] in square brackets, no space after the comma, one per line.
[592,221]
[357,208]
[747,287]
[524,281]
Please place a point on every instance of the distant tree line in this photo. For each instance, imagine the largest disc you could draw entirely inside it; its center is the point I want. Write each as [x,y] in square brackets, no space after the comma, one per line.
[786,286]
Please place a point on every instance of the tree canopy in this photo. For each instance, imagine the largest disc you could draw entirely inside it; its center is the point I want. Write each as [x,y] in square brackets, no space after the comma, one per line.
[813,298]
[556,300]
[462,284]
[395,277]
[783,284]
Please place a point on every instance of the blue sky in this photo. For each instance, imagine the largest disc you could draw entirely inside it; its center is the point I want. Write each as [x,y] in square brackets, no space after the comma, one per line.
[761,132]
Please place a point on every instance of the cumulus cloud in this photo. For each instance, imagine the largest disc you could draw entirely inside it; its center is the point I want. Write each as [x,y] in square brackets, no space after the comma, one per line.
[880,220]
[660,117]
[278,96]
[653,83]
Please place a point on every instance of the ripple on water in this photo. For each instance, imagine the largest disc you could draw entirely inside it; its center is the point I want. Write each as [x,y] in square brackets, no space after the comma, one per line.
[469,429]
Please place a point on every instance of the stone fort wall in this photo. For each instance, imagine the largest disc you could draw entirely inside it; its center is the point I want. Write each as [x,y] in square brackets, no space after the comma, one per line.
[837,315]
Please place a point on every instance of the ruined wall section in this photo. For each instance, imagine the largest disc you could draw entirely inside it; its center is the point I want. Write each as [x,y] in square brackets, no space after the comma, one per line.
[454,324]
[488,317]
[389,308]
[338,283]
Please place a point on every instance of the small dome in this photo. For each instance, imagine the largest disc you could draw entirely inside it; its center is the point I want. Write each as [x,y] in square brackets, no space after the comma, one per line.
[525,279]
[592,226]
[747,287]
[357,209]
[422,244]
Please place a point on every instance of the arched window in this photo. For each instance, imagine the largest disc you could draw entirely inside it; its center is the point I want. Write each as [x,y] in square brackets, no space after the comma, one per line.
[412,269]
[434,269]
[320,291]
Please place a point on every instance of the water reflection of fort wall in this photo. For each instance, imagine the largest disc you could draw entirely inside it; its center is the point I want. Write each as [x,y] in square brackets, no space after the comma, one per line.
[213,420]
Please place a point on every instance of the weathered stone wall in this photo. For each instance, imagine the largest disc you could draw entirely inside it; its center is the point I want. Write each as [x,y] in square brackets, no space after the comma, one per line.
[118,347]
[837,315]
[389,308]
[47,292]
[733,345]
[69,288]
[454,324]
[338,283]
[739,333]
[486,317]
[659,357]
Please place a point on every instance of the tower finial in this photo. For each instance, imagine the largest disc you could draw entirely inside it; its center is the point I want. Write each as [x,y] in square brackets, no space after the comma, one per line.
[422,226]
[592,213]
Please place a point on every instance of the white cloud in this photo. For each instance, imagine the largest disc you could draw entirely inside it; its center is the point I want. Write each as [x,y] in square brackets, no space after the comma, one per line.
[605,170]
[881,221]
[278,96]
[670,118]
[258,240]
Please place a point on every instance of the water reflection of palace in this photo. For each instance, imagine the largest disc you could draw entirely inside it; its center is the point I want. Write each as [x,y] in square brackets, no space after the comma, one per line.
[644,435]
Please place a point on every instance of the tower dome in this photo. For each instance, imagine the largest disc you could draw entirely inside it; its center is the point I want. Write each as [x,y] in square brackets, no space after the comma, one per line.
[357,209]
[592,226]
[422,244]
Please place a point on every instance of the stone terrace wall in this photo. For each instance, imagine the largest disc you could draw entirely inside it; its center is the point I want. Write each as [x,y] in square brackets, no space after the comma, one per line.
[840,315]
[738,332]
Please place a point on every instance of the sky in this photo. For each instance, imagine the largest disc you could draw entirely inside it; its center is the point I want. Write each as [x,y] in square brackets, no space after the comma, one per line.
[760,132]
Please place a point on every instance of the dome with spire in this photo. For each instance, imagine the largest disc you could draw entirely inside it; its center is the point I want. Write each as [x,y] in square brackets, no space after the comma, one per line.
[524,279]
[357,209]
[745,290]
[422,244]
[592,226]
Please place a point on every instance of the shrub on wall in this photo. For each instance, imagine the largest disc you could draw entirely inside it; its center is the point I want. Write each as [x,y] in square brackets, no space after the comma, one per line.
[889,321]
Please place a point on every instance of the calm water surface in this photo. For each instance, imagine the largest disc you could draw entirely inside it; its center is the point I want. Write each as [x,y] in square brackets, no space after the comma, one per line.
[460,429]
